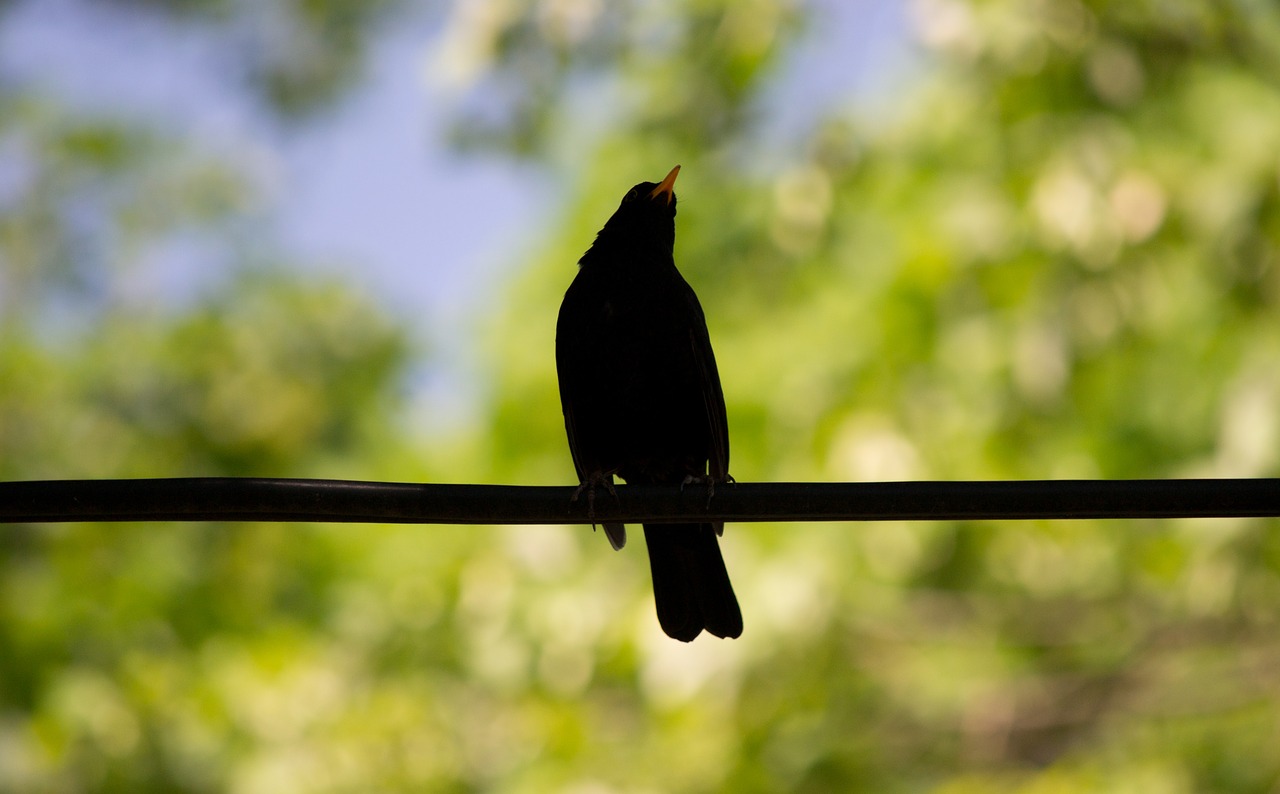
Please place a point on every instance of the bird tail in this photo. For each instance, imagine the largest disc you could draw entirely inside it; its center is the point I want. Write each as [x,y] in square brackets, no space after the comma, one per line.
[690,583]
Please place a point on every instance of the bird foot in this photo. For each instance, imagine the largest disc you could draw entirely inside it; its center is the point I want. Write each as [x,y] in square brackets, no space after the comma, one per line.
[594,480]
[710,482]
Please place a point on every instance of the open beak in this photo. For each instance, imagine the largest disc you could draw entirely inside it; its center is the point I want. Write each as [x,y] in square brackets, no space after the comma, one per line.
[667,186]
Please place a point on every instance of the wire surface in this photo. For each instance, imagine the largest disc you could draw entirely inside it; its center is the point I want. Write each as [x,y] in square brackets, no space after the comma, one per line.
[255,499]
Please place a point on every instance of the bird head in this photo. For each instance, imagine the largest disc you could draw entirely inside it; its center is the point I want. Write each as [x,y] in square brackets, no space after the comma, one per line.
[646,216]
[654,195]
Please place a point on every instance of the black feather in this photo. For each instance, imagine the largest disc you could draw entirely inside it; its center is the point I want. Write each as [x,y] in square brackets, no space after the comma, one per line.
[642,398]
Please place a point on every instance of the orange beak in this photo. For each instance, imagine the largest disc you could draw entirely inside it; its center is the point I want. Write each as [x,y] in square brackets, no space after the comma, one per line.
[667,186]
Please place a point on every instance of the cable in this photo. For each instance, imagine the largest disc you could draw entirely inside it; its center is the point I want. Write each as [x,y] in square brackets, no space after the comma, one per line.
[254,499]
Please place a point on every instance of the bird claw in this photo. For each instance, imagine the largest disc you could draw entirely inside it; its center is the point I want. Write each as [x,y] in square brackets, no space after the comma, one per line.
[589,485]
[710,481]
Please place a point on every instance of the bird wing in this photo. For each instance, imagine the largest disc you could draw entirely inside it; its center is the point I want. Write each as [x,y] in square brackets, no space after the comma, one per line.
[713,400]
[616,533]
[567,406]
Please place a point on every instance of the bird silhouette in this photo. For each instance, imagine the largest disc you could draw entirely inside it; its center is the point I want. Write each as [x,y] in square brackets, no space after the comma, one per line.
[642,399]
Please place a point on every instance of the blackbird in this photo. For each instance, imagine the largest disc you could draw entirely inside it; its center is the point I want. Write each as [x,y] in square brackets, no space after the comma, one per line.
[642,399]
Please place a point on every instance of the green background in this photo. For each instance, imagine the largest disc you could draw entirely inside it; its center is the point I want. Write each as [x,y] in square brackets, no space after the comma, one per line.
[1052,251]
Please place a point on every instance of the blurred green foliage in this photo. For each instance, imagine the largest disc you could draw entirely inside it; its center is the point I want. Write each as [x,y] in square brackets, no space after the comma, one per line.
[1054,253]
[296,56]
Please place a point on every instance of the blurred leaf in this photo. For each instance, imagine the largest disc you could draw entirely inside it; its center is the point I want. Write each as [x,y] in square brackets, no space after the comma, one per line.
[1056,253]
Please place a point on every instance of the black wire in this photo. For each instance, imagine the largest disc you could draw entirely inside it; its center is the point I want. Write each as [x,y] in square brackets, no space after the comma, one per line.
[253,499]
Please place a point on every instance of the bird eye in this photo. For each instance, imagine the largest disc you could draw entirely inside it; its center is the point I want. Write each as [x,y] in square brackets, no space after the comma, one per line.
[631,195]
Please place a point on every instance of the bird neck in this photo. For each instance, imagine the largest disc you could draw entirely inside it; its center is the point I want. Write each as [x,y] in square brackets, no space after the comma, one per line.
[617,249]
